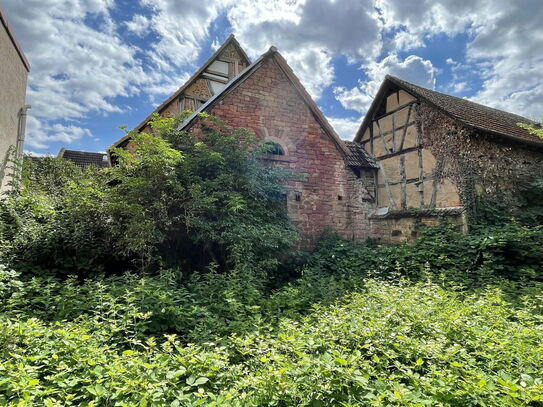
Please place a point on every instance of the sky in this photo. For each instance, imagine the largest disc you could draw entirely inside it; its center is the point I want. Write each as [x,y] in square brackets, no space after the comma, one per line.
[100,64]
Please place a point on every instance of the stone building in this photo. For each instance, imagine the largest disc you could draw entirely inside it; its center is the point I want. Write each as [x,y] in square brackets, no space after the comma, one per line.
[414,158]
[334,191]
[13,77]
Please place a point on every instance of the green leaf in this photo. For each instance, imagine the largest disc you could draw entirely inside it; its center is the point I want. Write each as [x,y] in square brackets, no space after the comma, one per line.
[200,381]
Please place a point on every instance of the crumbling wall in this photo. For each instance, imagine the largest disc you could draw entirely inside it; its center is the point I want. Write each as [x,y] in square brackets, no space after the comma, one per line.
[480,165]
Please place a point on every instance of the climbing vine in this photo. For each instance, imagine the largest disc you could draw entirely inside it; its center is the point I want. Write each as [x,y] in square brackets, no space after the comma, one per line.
[491,175]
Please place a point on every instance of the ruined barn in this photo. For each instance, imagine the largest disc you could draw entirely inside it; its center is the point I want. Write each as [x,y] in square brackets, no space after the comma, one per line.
[438,154]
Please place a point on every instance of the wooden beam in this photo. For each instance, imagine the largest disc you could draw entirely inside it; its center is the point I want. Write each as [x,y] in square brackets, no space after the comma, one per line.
[387,187]
[405,127]
[403,185]
[395,110]
[408,181]
[393,134]
[405,151]
[386,133]
[438,173]
[421,180]
[418,124]
[382,137]
[371,139]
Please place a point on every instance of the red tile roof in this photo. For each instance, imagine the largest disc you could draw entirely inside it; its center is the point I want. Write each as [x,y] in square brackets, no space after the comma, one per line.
[358,158]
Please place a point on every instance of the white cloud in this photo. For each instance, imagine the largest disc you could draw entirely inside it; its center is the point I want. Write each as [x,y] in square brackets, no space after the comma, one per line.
[41,133]
[181,26]
[76,68]
[309,33]
[413,69]
[80,64]
[139,25]
[345,127]
[35,154]
[81,67]
[405,41]
[503,48]
[510,44]
[459,87]
[304,62]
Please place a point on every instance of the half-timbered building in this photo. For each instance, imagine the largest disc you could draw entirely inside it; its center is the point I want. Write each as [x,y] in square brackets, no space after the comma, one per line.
[418,155]
[437,153]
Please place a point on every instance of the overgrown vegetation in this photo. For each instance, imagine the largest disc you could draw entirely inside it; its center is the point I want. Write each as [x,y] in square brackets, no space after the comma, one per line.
[534,129]
[168,281]
[208,200]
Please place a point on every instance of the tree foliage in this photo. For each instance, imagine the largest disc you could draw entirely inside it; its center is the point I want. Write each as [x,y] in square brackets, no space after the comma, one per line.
[536,130]
[174,198]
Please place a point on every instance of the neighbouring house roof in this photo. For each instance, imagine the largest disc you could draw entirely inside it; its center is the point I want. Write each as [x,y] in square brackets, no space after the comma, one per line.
[11,35]
[471,114]
[85,158]
[230,40]
[358,157]
[295,82]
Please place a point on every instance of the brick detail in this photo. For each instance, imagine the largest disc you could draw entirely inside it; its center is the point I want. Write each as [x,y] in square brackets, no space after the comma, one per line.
[333,198]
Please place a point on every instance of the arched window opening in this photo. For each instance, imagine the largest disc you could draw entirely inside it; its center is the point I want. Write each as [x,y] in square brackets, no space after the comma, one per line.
[273,148]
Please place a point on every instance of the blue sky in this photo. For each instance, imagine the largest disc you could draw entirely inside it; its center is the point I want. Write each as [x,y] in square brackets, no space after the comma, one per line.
[99,64]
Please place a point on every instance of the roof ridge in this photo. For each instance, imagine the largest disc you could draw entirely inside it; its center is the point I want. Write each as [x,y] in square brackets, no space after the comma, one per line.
[292,78]
[396,79]
[231,39]
[473,115]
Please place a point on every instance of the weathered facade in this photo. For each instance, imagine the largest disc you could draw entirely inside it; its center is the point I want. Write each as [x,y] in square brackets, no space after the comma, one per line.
[418,155]
[331,194]
[225,64]
[436,153]
[13,77]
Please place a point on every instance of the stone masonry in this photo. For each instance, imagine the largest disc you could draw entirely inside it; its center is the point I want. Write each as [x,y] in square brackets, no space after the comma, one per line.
[330,197]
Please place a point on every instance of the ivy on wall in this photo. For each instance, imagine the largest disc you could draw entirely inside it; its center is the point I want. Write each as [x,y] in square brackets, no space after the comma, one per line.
[493,176]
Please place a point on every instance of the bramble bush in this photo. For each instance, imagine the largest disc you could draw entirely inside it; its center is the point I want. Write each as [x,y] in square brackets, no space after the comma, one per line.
[389,343]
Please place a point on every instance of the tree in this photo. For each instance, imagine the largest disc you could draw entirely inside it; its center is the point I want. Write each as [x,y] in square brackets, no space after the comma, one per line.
[175,199]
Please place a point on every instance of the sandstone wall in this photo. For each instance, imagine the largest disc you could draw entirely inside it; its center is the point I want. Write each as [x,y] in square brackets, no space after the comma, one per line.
[330,197]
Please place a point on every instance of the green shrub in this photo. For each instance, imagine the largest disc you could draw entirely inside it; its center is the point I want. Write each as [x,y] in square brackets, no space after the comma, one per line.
[207,202]
[389,344]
